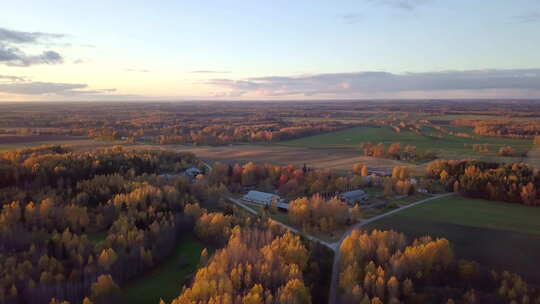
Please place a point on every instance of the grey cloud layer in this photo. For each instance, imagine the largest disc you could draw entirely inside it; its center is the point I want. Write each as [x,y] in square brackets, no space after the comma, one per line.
[12,55]
[384,82]
[20,86]
[11,78]
[12,36]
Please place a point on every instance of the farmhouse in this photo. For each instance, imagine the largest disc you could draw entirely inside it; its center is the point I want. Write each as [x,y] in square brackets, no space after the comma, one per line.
[264,198]
[354,197]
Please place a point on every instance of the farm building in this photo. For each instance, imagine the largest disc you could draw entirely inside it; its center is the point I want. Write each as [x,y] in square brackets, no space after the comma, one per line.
[382,172]
[264,198]
[192,172]
[354,197]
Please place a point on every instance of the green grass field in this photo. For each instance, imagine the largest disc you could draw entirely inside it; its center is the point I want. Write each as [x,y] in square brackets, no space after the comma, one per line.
[351,138]
[498,235]
[166,280]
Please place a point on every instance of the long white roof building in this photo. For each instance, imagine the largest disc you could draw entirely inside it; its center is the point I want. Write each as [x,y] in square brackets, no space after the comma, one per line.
[264,198]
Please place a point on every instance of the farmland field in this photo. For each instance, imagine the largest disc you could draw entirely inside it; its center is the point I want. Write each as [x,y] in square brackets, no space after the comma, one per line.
[8,143]
[165,281]
[326,158]
[448,145]
[19,142]
[499,235]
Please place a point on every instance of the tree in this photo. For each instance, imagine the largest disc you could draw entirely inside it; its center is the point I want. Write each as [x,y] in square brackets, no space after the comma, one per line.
[507,151]
[393,287]
[456,186]
[294,292]
[408,288]
[204,257]
[107,258]
[528,194]
[104,290]
[388,188]
[356,213]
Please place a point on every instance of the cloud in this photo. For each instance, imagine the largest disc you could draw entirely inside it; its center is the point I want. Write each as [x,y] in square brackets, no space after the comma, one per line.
[401,4]
[527,17]
[210,72]
[11,36]
[231,94]
[138,70]
[80,61]
[351,18]
[377,83]
[12,55]
[10,78]
[21,86]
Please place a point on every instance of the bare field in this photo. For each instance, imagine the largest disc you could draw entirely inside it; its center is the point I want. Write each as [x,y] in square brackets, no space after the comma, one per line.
[340,159]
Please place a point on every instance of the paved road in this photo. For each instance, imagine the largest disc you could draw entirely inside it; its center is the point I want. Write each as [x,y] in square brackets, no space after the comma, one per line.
[335,268]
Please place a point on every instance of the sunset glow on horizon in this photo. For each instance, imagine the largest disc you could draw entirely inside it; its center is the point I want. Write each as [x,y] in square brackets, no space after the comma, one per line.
[369,49]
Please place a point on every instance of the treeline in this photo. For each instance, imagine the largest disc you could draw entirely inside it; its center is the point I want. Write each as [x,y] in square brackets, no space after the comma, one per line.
[503,128]
[55,199]
[57,166]
[290,181]
[515,183]
[382,267]
[222,134]
[394,151]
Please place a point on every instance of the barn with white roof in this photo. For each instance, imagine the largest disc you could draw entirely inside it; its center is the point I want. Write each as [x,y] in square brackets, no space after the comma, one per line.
[264,198]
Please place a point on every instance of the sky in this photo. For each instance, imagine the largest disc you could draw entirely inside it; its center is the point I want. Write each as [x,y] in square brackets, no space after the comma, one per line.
[282,50]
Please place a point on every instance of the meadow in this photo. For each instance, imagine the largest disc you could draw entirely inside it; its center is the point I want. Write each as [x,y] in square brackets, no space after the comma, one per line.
[165,281]
[500,236]
[446,146]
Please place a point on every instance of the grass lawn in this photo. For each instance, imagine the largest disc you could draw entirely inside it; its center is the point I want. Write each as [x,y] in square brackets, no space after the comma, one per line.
[498,235]
[407,200]
[351,138]
[166,280]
